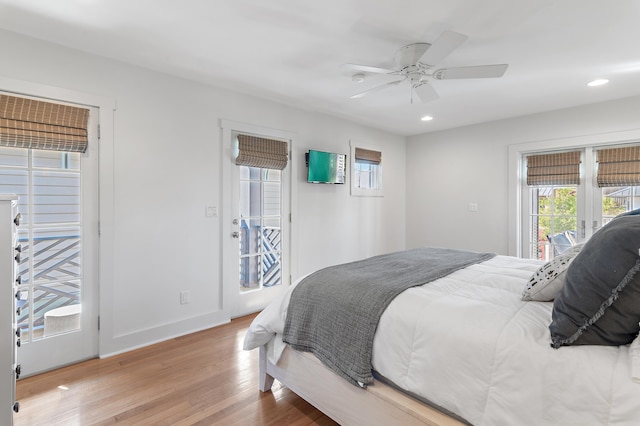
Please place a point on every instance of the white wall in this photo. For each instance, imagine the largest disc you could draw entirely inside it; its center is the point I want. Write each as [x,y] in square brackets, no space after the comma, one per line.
[448,170]
[163,166]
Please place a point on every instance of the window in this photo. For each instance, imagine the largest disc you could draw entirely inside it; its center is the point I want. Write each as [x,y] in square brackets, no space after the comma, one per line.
[367,172]
[567,196]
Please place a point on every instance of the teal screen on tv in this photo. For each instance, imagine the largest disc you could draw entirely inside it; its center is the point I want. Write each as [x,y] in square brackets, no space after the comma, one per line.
[326,167]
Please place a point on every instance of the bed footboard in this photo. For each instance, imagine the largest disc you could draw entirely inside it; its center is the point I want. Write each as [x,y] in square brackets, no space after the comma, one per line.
[305,375]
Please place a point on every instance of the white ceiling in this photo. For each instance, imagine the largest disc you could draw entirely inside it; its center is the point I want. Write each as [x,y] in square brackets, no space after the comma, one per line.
[292,51]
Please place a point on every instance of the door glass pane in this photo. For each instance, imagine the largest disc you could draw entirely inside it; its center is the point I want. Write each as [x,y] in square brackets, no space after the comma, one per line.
[55,307]
[56,160]
[253,236]
[14,157]
[271,205]
[48,184]
[260,228]
[249,273]
[553,220]
[56,254]
[16,181]
[244,173]
[56,197]
[271,233]
[245,198]
[254,173]
[255,197]
[250,198]
[271,269]
[272,175]
[619,199]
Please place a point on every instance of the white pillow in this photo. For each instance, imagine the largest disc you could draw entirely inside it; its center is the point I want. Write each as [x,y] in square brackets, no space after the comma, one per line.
[545,284]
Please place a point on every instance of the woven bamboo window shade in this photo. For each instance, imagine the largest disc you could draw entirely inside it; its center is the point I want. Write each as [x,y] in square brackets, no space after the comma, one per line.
[260,152]
[554,169]
[619,166]
[368,155]
[28,123]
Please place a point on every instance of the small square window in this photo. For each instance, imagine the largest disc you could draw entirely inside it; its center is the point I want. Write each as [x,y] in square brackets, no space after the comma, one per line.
[367,175]
[366,171]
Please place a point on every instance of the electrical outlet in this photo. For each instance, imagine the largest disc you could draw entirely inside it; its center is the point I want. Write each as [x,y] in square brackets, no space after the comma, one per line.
[185,297]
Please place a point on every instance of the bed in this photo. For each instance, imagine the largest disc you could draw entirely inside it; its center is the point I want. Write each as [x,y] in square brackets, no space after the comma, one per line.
[465,348]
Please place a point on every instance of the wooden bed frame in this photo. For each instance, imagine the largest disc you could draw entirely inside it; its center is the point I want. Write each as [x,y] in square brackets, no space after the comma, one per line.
[345,403]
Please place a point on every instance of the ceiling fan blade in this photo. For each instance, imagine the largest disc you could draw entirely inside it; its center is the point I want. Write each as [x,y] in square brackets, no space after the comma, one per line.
[376,89]
[442,47]
[367,68]
[479,71]
[425,92]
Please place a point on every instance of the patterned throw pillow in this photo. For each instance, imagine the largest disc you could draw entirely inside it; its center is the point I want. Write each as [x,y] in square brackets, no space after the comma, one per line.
[545,284]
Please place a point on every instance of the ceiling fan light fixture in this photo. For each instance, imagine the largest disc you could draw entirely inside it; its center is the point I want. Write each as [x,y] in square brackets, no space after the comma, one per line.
[427,118]
[598,82]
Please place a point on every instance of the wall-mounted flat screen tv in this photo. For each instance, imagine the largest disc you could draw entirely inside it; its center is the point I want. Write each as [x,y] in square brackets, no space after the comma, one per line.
[326,167]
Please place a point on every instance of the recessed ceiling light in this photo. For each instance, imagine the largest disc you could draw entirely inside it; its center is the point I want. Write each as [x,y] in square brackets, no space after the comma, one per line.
[598,82]
[427,118]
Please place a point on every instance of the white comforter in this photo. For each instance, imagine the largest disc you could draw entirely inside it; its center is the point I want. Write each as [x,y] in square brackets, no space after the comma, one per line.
[468,343]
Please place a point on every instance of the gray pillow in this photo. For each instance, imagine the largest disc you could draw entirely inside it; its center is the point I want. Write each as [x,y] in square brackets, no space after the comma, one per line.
[545,284]
[600,301]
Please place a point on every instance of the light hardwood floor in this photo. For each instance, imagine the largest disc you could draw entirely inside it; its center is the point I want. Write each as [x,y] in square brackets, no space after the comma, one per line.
[204,378]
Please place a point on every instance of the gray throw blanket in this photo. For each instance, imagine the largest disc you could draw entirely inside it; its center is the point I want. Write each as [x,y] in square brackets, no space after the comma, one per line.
[334,312]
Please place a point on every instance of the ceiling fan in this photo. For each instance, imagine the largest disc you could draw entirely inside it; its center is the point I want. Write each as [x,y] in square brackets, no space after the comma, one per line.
[415,64]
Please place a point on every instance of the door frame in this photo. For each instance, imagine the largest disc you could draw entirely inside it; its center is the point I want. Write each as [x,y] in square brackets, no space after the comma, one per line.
[232,304]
